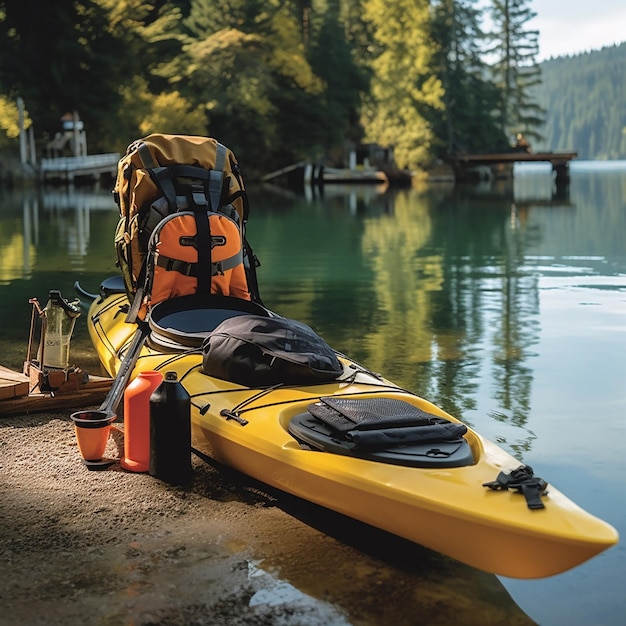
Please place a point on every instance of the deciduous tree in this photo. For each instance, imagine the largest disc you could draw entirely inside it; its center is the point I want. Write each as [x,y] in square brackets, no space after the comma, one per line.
[248,67]
[59,57]
[405,90]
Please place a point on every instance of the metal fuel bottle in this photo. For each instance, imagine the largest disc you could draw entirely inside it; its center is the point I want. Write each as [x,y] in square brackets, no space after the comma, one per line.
[170,432]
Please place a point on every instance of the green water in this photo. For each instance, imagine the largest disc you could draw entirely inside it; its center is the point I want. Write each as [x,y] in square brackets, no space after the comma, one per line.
[501,304]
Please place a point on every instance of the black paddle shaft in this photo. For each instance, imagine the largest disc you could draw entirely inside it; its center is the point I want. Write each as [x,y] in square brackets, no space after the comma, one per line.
[113,398]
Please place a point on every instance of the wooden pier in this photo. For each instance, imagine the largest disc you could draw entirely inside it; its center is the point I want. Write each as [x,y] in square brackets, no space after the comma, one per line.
[67,157]
[307,174]
[66,169]
[466,166]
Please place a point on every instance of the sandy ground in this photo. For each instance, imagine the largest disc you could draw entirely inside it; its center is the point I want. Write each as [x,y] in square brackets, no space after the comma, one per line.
[114,547]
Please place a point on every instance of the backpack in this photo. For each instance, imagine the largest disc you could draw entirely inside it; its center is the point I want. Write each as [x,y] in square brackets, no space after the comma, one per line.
[183,214]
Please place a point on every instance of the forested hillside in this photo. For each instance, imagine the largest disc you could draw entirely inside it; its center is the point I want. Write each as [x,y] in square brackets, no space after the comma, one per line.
[276,80]
[285,80]
[584,97]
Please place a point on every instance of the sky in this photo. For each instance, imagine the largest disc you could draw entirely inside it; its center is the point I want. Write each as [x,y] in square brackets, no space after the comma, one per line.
[574,26]
[569,27]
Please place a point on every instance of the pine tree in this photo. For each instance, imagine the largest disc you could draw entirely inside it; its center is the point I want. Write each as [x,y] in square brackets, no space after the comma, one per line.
[469,122]
[515,70]
[334,59]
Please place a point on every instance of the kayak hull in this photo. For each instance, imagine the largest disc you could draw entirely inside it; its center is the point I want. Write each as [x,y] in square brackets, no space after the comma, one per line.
[446,509]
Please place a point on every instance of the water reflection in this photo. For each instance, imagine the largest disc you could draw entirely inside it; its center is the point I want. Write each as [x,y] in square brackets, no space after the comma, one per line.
[427,287]
[437,288]
[55,224]
[49,238]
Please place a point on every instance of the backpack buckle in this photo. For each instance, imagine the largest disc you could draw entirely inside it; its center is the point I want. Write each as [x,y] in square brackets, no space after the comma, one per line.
[197,197]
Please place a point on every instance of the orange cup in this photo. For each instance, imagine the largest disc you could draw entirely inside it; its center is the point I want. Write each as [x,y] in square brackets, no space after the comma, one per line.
[92,432]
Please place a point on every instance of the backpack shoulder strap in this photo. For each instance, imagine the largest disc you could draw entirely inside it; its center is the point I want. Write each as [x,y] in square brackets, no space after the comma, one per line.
[216,176]
[163,178]
[147,160]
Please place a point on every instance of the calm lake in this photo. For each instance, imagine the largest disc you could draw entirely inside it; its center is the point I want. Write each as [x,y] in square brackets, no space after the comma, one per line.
[502,304]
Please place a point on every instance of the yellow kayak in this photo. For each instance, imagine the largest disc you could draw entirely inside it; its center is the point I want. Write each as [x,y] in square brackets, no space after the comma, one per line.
[466,498]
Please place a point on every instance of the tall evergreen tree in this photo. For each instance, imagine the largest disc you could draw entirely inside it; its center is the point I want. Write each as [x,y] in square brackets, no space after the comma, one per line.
[515,70]
[334,60]
[469,121]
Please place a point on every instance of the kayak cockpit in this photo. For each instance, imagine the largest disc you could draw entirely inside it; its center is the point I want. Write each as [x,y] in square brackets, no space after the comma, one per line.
[185,322]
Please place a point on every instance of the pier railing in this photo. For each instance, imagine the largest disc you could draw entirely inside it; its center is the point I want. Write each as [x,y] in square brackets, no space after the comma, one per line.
[68,168]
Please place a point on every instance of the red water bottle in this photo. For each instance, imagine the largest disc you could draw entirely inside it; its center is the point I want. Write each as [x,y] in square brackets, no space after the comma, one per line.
[170,432]
[137,421]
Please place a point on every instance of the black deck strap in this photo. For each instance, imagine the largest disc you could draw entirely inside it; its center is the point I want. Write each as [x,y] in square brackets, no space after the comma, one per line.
[176,265]
[379,413]
[523,481]
[194,172]
[218,268]
[199,203]
[405,435]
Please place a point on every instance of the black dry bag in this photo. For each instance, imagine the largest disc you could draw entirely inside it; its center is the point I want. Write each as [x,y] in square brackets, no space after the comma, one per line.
[259,351]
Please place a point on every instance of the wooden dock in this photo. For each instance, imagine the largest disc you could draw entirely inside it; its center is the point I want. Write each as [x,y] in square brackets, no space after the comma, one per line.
[465,165]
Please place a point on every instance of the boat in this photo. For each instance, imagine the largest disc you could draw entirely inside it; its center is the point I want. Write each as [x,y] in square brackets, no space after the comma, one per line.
[464,497]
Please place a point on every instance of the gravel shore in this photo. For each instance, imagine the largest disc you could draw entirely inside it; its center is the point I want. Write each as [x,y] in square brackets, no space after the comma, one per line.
[113,547]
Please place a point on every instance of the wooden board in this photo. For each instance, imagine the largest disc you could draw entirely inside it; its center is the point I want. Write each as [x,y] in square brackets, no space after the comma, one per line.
[75,389]
[13,384]
[38,403]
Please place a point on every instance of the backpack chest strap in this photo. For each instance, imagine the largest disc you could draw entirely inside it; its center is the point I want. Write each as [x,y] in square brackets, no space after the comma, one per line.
[191,269]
